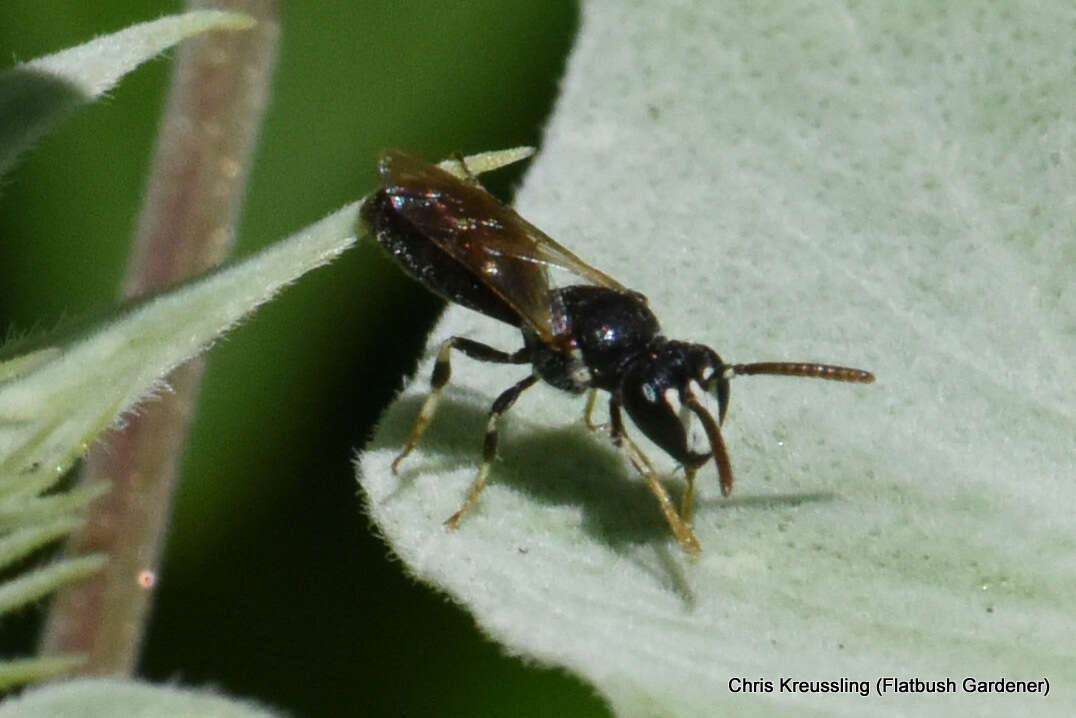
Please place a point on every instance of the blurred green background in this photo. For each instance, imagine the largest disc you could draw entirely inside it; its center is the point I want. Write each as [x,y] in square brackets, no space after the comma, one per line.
[274,586]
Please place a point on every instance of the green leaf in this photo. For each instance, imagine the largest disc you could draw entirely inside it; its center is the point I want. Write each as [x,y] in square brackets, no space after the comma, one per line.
[22,510]
[106,698]
[59,398]
[889,189]
[55,400]
[19,544]
[21,671]
[49,415]
[36,95]
[35,584]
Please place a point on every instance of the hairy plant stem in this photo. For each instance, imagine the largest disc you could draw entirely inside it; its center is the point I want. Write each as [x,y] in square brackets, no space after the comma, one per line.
[214,110]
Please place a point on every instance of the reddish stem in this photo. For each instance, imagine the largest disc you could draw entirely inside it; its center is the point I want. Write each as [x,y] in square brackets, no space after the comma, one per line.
[217,98]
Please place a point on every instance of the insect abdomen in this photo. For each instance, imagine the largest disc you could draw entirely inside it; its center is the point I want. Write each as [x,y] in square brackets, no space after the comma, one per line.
[429,264]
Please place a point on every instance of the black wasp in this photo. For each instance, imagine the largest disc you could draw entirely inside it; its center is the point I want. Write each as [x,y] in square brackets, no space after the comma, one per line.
[465,245]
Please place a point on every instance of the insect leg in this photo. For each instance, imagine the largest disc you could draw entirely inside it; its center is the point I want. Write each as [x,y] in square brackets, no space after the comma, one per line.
[638,459]
[468,177]
[442,370]
[687,508]
[588,412]
[489,447]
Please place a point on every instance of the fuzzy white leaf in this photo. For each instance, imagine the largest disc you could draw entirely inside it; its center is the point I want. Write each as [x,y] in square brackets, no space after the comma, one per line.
[32,585]
[22,671]
[884,186]
[35,95]
[55,400]
[106,698]
[50,413]
[99,64]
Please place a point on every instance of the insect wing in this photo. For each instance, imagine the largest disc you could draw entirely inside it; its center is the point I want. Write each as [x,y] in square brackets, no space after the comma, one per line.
[459,218]
[548,251]
[488,237]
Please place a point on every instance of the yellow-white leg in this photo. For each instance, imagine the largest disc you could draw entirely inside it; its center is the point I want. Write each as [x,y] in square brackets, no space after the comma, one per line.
[442,371]
[680,528]
[489,445]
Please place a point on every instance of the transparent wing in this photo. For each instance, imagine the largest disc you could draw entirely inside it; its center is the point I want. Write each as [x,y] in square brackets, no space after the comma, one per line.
[507,252]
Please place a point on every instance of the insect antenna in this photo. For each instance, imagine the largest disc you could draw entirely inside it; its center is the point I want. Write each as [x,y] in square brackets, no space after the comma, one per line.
[816,371]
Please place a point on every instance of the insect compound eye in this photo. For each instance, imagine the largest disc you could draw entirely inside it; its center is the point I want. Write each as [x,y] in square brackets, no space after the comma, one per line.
[650,409]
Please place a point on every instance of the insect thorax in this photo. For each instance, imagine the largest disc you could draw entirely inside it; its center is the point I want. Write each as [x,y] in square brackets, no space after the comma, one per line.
[606,330]
[430,265]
